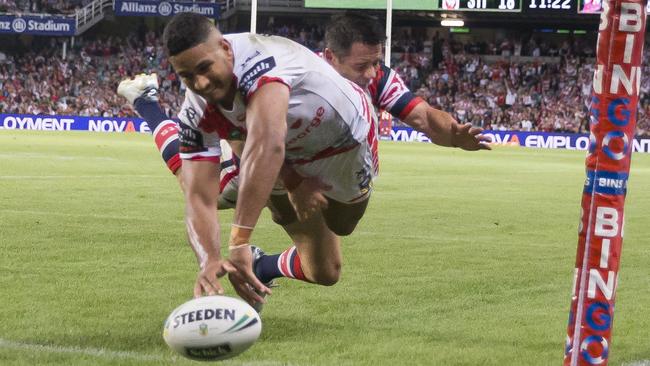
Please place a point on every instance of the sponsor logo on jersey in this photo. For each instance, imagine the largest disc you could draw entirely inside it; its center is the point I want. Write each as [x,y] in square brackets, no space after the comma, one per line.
[190,114]
[258,69]
[191,142]
[315,122]
[249,58]
[365,179]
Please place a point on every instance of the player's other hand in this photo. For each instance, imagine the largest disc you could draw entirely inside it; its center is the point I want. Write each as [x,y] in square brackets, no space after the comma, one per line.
[207,280]
[307,198]
[469,138]
[240,274]
[141,86]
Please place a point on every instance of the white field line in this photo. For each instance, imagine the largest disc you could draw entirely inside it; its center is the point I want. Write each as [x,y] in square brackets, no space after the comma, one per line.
[112,354]
[638,363]
[181,221]
[31,155]
[88,351]
[94,216]
[103,176]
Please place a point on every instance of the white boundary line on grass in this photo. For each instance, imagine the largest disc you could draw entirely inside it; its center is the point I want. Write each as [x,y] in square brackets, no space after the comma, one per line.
[30,177]
[95,216]
[96,352]
[638,363]
[110,354]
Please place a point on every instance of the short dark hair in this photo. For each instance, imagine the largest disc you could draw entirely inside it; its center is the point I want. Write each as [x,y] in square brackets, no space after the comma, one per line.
[345,29]
[185,31]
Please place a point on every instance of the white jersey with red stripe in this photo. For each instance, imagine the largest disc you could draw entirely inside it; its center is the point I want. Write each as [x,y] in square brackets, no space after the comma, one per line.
[327,115]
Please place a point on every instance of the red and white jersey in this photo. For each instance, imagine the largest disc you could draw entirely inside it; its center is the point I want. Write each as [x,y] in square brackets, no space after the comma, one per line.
[327,114]
[389,93]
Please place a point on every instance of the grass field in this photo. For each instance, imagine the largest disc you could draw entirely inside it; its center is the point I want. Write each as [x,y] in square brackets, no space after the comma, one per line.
[462,259]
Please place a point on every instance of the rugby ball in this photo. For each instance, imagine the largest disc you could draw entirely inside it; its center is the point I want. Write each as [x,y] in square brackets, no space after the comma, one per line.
[212,328]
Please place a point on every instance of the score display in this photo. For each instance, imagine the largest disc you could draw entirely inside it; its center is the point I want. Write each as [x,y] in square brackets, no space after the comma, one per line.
[481,5]
[513,6]
[550,4]
[567,7]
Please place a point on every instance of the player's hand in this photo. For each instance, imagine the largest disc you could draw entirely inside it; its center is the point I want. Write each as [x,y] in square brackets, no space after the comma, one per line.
[307,198]
[141,86]
[207,280]
[469,138]
[240,274]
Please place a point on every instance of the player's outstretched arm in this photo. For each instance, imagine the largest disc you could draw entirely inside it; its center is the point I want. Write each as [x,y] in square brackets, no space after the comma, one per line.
[261,161]
[201,183]
[444,130]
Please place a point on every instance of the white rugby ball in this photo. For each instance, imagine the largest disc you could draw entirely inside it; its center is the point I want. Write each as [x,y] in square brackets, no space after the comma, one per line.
[212,328]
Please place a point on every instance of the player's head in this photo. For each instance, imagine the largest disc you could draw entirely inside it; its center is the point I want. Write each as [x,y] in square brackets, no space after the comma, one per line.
[353,46]
[200,56]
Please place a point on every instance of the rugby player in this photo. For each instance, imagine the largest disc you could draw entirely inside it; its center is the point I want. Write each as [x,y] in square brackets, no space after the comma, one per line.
[290,108]
[354,49]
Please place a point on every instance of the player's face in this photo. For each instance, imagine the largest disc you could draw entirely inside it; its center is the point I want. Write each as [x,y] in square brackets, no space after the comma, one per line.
[360,65]
[207,69]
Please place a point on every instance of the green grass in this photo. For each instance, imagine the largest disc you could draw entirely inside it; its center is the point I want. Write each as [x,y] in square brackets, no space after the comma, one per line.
[462,259]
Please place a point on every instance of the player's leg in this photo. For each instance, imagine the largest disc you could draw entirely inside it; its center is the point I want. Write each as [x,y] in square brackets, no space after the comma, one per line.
[315,255]
[318,249]
[142,93]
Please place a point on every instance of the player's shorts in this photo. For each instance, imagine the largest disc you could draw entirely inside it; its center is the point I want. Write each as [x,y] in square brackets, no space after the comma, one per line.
[350,173]
[333,171]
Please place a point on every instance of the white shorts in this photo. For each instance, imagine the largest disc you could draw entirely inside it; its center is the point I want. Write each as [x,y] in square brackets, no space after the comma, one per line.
[350,174]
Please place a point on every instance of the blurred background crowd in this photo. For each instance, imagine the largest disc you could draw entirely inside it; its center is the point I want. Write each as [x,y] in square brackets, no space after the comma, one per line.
[527,83]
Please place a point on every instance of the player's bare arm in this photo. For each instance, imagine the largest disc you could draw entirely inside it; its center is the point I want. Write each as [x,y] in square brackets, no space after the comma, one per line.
[201,183]
[444,130]
[261,161]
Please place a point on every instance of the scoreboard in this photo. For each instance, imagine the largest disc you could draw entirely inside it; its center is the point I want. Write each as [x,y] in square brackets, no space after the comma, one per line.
[559,7]
[481,5]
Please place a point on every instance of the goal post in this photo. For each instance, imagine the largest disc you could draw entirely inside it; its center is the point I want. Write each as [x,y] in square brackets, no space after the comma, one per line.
[615,91]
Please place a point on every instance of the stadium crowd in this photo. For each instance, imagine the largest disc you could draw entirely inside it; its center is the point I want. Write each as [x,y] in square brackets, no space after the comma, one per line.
[42,82]
[533,93]
[41,6]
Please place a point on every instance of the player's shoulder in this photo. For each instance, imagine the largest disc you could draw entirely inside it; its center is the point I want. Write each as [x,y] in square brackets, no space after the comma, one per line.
[384,74]
[249,45]
[383,79]
[192,109]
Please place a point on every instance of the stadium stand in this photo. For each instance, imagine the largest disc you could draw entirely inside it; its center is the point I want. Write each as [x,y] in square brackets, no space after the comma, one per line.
[41,6]
[529,84]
